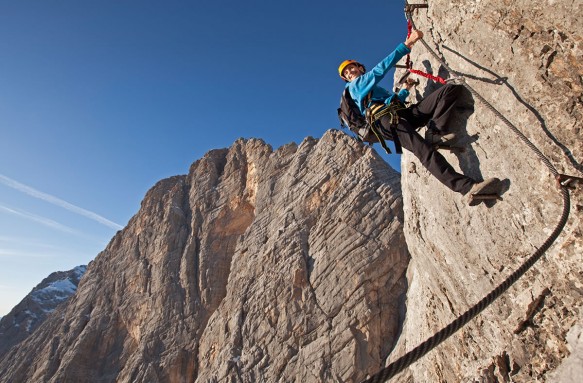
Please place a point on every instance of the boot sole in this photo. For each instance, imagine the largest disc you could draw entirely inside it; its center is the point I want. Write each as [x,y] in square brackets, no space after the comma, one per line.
[489,191]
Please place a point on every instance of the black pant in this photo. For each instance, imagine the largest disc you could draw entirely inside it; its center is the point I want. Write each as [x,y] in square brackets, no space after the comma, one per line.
[437,108]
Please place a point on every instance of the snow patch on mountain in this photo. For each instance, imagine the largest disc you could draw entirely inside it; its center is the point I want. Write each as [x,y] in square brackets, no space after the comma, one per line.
[31,312]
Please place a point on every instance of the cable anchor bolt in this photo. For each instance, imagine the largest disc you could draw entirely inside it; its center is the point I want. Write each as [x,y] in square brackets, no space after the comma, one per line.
[570,182]
[457,80]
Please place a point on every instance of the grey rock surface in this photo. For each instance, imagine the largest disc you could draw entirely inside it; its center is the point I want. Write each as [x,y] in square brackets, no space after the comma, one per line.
[31,312]
[571,369]
[525,60]
[259,265]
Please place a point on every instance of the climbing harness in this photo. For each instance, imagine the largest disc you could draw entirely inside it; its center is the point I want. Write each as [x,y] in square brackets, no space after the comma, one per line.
[373,115]
[367,128]
[564,182]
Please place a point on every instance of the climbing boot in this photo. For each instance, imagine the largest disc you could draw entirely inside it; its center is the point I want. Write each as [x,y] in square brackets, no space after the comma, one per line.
[485,190]
[434,138]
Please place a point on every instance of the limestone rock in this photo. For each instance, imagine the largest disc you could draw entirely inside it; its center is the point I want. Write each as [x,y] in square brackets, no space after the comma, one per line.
[525,60]
[259,265]
[31,312]
[571,370]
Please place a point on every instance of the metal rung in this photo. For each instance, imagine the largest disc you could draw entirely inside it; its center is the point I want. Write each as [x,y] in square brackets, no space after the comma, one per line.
[409,8]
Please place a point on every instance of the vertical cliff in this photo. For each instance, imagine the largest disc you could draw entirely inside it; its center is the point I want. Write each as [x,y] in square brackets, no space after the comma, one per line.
[525,58]
[258,265]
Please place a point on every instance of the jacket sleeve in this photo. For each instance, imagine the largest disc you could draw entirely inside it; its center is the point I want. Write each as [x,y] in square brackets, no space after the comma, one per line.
[360,87]
[403,94]
[380,70]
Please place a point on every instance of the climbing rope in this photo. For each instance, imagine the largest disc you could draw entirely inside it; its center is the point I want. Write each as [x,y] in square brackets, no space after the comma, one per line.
[415,354]
[427,75]
[408,64]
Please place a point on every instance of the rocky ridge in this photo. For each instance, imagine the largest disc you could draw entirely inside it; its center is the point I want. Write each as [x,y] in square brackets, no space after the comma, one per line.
[31,312]
[258,265]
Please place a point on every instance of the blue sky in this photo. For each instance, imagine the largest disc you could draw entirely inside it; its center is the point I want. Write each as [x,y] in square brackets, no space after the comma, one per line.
[101,99]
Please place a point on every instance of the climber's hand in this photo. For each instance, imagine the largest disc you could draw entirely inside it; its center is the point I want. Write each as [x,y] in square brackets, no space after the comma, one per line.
[415,36]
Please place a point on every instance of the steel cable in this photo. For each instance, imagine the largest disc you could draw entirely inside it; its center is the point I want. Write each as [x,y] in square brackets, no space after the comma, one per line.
[415,354]
[432,342]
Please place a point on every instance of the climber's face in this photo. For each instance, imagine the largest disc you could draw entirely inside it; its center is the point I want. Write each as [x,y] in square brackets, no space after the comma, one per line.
[352,71]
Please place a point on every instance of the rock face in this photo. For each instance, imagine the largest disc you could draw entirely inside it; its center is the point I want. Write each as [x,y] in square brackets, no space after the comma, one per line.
[525,58]
[258,265]
[25,317]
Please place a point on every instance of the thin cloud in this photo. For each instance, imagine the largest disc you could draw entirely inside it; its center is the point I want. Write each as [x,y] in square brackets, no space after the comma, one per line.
[30,242]
[33,246]
[42,220]
[23,254]
[58,202]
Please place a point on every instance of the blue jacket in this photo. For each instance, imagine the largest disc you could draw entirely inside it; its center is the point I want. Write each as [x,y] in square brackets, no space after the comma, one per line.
[362,85]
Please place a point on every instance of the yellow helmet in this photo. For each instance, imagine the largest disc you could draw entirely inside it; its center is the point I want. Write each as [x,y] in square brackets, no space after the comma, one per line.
[346,63]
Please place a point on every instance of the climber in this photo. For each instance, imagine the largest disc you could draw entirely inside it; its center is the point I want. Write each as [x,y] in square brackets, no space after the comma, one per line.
[387,114]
